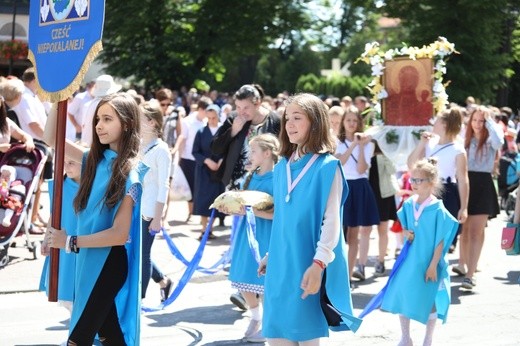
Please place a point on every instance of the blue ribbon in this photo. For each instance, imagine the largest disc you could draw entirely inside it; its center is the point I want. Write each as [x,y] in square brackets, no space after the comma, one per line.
[251,234]
[377,300]
[193,265]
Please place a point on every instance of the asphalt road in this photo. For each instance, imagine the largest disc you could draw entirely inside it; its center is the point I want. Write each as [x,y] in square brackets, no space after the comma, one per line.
[203,314]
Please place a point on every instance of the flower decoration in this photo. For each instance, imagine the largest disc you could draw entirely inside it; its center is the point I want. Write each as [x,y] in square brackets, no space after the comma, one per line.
[392,137]
[15,49]
[437,51]
[417,134]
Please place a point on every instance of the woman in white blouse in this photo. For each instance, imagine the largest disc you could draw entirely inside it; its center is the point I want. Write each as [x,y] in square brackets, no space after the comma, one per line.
[482,142]
[156,155]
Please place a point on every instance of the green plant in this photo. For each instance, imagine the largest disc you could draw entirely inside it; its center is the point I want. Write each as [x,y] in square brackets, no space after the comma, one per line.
[392,137]
[15,49]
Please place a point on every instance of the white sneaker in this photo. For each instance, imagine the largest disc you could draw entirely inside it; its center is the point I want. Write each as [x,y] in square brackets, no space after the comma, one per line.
[253,328]
[256,337]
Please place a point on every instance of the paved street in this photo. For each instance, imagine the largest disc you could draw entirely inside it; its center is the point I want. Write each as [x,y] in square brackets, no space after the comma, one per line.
[203,314]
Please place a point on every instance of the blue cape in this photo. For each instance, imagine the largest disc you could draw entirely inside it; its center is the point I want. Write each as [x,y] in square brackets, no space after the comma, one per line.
[97,217]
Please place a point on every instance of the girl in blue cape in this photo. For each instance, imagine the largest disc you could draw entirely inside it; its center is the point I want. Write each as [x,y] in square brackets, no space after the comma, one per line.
[306,285]
[244,265]
[107,284]
[419,286]
[67,263]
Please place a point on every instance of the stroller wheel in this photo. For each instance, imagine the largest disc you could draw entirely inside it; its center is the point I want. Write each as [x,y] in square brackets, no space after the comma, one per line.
[4,258]
[35,249]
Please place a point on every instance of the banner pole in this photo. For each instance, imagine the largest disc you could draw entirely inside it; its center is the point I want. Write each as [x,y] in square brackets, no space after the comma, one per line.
[56,202]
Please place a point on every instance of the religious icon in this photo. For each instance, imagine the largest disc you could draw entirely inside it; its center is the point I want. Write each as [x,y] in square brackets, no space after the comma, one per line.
[409,84]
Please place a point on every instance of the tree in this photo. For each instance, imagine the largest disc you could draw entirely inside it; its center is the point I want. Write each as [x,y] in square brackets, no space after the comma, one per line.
[477,30]
[276,71]
[514,82]
[188,40]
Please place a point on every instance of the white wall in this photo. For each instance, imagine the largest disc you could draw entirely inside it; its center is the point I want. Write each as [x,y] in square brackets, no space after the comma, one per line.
[21,19]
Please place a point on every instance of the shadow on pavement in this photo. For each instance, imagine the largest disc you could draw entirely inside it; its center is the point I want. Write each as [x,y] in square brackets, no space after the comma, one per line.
[204,314]
[360,300]
[513,278]
[239,342]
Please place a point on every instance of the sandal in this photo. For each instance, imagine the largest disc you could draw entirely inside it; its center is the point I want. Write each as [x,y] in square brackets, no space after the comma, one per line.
[33,229]
[468,283]
[458,270]
[39,223]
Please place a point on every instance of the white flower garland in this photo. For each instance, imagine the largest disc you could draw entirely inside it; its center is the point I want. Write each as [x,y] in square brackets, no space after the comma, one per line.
[437,51]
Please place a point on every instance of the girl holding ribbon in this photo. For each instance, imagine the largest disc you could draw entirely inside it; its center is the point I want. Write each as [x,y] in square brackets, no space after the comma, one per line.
[418,285]
[243,272]
[306,244]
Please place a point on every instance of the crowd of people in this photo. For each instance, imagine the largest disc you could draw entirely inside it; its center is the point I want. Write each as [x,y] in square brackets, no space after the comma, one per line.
[121,152]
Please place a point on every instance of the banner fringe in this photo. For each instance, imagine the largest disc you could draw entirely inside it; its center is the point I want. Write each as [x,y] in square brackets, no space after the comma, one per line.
[65,93]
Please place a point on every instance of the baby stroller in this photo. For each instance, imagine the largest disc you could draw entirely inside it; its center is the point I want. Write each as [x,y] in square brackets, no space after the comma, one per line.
[29,167]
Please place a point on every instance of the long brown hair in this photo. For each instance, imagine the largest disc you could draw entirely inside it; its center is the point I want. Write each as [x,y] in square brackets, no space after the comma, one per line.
[316,111]
[342,134]
[470,133]
[128,148]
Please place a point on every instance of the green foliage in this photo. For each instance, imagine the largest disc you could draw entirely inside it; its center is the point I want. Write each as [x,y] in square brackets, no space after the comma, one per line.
[276,72]
[308,83]
[186,40]
[279,44]
[477,30]
[335,85]
[392,137]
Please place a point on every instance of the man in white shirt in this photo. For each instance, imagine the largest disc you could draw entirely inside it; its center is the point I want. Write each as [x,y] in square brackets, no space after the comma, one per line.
[74,121]
[30,111]
[32,118]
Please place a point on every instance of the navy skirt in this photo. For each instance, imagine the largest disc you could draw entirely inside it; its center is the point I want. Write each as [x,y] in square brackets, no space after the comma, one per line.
[360,209]
[483,198]
[450,198]
[188,168]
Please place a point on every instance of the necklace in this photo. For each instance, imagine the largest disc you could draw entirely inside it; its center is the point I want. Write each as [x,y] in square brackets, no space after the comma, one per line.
[292,184]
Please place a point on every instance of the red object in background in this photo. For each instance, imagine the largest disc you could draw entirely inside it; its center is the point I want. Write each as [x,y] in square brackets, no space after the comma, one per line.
[410,91]
[15,49]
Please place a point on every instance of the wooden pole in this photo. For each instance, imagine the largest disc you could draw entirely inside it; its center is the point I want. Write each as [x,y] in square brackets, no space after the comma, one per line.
[56,201]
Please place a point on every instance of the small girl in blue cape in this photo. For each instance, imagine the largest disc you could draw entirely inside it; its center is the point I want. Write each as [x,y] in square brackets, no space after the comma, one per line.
[243,272]
[108,241]
[67,262]
[419,286]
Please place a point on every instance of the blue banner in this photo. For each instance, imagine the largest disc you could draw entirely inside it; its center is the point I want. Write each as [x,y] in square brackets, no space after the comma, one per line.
[64,38]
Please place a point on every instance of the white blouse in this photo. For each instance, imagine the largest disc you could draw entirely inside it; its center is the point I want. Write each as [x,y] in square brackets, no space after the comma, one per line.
[350,166]
[156,183]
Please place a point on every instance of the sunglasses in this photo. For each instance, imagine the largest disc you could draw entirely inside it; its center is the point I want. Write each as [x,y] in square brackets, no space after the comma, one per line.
[417,181]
